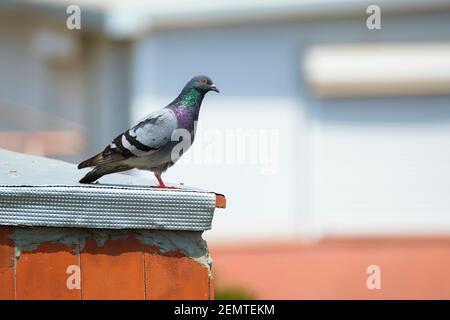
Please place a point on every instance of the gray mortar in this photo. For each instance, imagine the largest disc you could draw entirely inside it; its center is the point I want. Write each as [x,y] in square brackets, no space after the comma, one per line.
[190,243]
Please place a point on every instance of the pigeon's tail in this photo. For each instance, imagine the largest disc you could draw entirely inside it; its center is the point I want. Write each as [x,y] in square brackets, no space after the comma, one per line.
[92,176]
[90,162]
[99,172]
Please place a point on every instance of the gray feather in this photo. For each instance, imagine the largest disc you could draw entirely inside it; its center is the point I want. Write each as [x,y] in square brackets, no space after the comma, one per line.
[152,133]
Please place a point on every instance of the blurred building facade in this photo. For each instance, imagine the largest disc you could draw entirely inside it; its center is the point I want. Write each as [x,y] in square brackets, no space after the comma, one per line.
[336,144]
[62,92]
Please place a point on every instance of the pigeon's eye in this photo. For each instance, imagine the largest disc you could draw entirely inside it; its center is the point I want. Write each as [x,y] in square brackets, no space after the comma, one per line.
[204,80]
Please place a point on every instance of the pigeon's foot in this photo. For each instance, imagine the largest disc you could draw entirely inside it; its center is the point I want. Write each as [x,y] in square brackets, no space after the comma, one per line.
[164,187]
[161,183]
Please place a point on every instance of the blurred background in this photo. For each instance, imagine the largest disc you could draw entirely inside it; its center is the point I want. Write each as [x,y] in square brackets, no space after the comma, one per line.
[330,139]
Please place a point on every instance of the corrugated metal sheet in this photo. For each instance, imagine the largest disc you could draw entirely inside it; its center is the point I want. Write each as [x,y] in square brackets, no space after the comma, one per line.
[106,206]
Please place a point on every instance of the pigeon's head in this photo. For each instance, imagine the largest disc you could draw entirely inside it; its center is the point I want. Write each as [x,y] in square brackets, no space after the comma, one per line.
[203,84]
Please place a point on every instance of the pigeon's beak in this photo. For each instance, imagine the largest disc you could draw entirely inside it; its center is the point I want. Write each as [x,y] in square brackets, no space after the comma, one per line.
[213,88]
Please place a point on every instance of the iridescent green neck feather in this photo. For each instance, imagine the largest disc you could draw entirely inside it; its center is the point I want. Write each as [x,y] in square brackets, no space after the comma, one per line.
[191,98]
[187,107]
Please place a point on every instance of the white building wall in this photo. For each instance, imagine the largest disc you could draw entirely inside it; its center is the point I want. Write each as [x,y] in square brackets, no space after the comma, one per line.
[382,167]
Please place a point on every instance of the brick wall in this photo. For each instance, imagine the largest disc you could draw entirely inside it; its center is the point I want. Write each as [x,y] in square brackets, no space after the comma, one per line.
[122,267]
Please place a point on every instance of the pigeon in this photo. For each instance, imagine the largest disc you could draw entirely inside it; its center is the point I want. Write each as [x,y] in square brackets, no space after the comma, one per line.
[149,144]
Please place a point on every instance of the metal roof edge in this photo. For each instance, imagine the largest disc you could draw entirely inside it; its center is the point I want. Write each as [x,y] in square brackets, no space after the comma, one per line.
[27,201]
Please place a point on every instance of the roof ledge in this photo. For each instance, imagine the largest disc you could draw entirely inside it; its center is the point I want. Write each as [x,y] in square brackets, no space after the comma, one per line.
[36,191]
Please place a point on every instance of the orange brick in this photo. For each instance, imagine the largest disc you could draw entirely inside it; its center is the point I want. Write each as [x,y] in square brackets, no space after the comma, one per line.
[113,271]
[42,273]
[211,288]
[7,290]
[6,248]
[173,276]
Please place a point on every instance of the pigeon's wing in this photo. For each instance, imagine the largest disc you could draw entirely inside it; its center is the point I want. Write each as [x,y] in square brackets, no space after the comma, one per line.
[152,133]
[113,153]
[145,138]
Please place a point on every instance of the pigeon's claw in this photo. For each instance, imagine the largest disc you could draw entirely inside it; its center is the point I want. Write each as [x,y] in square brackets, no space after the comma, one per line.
[161,183]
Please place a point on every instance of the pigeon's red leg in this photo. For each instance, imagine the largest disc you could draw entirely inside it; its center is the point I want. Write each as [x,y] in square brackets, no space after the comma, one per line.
[161,182]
